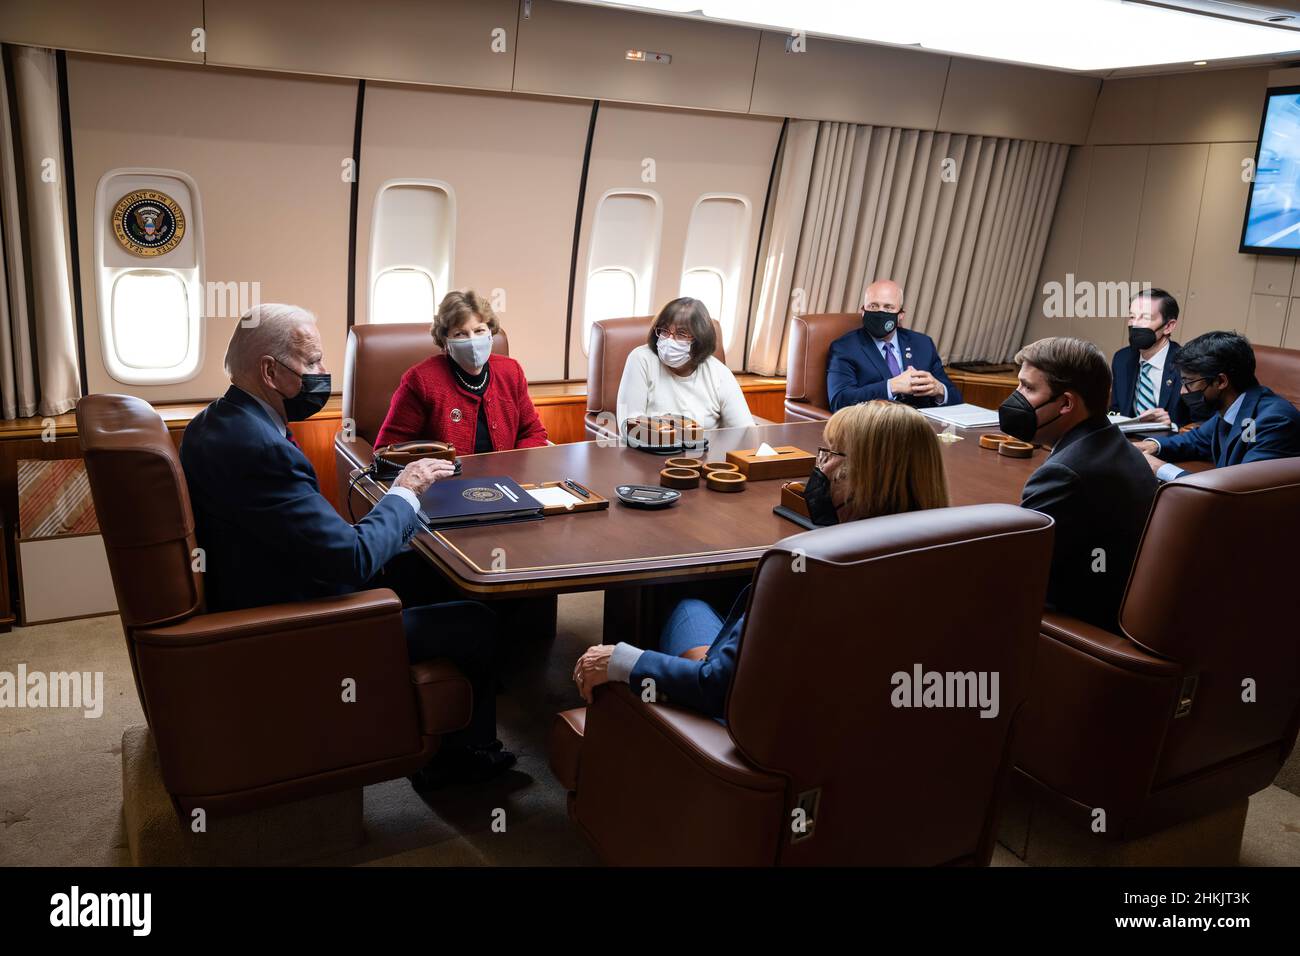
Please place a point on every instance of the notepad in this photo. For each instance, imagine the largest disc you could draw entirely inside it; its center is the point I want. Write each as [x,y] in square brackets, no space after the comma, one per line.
[553,496]
[963,416]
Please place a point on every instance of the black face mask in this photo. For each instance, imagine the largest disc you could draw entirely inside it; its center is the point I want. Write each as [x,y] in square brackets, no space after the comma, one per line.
[817,494]
[879,324]
[1019,419]
[1141,338]
[311,398]
[1201,408]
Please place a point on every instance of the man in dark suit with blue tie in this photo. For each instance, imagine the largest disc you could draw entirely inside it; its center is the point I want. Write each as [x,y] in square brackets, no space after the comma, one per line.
[269,537]
[1241,420]
[1147,385]
[884,361]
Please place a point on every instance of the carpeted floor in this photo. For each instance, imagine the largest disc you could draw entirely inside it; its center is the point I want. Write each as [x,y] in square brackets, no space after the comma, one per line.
[60,773]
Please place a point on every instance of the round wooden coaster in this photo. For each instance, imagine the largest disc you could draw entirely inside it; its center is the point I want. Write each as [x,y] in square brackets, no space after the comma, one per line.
[1015,449]
[725,481]
[679,478]
[694,464]
[711,467]
[993,439]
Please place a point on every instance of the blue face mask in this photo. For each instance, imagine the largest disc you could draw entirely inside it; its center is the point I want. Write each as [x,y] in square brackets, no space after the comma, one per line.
[471,353]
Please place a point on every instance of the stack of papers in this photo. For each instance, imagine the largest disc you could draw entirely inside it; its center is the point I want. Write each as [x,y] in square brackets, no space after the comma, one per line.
[552,496]
[963,416]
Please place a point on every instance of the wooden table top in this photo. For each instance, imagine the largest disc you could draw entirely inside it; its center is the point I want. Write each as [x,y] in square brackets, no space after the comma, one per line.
[706,533]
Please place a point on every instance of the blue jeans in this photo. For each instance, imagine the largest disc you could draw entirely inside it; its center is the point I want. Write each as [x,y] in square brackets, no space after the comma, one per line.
[693,623]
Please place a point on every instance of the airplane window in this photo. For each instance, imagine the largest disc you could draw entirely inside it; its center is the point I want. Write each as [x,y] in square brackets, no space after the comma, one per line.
[404,295]
[611,294]
[715,258]
[622,257]
[151,320]
[707,286]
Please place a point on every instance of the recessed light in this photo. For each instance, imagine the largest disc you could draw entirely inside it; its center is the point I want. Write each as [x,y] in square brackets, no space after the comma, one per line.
[1280,19]
[1200,63]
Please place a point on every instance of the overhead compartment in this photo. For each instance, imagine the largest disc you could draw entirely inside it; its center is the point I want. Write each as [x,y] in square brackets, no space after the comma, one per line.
[157,29]
[1019,102]
[467,43]
[574,50]
[849,82]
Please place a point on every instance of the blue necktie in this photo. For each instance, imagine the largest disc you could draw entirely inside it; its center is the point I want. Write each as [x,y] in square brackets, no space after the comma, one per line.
[1146,393]
[894,368]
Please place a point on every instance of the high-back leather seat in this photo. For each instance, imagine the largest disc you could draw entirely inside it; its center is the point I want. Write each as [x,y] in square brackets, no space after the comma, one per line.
[1279,369]
[246,707]
[811,336]
[1153,726]
[833,615]
[377,357]
[611,342]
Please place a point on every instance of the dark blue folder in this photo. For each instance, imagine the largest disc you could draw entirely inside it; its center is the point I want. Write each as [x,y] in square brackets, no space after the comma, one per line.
[472,500]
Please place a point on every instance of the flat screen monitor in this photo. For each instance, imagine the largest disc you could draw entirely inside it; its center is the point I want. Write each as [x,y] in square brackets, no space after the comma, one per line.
[1272,225]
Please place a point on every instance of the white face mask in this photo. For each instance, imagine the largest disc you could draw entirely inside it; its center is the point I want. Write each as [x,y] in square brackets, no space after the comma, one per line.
[471,353]
[674,354]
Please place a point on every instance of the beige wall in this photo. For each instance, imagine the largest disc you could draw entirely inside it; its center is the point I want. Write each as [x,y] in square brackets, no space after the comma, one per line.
[694,153]
[579,51]
[266,153]
[1158,196]
[514,165]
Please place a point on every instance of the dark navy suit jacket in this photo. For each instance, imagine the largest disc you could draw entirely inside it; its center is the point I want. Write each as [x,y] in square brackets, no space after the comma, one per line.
[1123,389]
[856,371]
[1276,427]
[267,533]
[1098,488]
[699,685]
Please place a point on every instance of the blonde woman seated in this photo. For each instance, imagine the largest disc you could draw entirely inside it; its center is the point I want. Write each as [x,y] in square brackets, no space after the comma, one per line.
[469,397]
[879,458]
[675,372]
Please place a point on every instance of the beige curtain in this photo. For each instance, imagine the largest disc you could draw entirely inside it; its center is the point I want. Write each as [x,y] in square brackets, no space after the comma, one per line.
[38,344]
[959,221]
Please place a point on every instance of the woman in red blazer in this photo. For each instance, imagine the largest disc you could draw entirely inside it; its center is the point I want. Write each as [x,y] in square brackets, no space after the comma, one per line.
[467,396]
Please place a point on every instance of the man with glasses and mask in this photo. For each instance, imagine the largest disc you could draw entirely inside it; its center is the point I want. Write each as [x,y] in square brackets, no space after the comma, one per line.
[883,360]
[1241,420]
[1147,384]
[1094,484]
[269,537]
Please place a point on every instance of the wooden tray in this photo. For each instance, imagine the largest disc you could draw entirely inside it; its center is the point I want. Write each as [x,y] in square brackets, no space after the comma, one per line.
[788,462]
[596,503]
[792,498]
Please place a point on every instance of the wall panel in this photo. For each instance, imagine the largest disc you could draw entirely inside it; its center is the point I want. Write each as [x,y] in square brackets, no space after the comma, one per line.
[1215,106]
[1221,278]
[158,29]
[575,50]
[266,152]
[514,164]
[450,42]
[1109,239]
[849,82]
[1061,256]
[693,153]
[1020,102]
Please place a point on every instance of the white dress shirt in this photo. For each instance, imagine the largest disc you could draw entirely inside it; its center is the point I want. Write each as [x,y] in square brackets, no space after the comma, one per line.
[1169,471]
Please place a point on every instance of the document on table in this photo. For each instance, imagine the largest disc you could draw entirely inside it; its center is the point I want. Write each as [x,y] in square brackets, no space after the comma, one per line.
[1131,426]
[554,495]
[963,416]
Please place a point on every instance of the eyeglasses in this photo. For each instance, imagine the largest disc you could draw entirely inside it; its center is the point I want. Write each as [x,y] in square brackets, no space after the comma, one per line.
[1193,381]
[824,456]
[680,335]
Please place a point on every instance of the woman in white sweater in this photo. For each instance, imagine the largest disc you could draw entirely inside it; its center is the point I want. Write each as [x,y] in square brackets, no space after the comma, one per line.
[675,372]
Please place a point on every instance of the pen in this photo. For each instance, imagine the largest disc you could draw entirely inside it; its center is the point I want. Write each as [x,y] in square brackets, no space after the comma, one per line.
[577,487]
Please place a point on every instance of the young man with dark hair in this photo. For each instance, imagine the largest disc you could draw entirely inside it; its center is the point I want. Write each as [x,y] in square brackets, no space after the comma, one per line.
[1094,484]
[1147,383]
[1243,420]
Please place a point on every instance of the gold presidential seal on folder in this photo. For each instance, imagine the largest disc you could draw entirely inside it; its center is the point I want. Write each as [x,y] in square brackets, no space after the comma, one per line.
[148,223]
[479,493]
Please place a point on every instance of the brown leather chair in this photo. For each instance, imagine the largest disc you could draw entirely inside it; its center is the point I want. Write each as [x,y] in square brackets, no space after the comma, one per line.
[246,707]
[611,342]
[832,616]
[1279,369]
[811,336]
[1150,726]
[377,357]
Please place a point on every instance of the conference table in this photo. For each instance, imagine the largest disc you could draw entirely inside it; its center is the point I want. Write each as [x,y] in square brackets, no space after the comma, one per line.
[628,552]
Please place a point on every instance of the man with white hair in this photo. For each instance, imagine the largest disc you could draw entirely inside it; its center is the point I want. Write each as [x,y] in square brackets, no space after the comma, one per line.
[270,537]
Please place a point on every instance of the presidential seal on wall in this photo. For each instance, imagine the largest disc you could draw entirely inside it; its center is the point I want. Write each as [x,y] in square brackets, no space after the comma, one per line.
[148,223]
